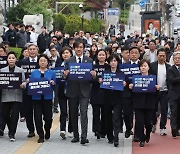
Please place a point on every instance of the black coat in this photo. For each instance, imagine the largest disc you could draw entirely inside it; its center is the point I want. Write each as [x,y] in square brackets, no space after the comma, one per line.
[97,94]
[154,69]
[62,84]
[143,100]
[173,78]
[42,41]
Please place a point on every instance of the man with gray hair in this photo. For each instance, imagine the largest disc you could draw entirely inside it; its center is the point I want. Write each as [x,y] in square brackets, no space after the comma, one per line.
[173,78]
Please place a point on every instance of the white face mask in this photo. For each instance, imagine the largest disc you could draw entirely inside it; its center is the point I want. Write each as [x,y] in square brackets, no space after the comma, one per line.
[118,50]
[52,35]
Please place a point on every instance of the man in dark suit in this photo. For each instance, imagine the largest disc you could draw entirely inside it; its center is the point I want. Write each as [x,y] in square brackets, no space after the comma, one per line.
[27,99]
[159,68]
[173,78]
[78,94]
[124,55]
[134,54]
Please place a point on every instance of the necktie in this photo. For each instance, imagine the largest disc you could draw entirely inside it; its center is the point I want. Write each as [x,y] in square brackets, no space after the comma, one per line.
[79,60]
[179,69]
[33,60]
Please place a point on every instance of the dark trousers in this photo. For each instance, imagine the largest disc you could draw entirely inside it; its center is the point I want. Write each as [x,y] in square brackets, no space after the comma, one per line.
[43,111]
[162,98]
[113,115]
[174,106]
[63,102]
[117,117]
[98,119]
[143,119]
[28,110]
[109,121]
[74,104]
[128,113]
[10,112]
[2,122]
[22,106]
[56,99]
[178,117]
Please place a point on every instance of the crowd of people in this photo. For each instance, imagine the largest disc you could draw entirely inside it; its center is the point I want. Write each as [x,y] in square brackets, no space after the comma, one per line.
[111,109]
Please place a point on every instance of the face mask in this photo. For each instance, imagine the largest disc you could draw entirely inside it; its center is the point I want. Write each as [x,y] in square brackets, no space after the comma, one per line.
[118,51]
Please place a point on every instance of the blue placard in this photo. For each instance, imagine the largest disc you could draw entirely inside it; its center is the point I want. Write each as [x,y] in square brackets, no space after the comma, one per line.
[112,81]
[80,71]
[129,70]
[144,83]
[39,86]
[59,74]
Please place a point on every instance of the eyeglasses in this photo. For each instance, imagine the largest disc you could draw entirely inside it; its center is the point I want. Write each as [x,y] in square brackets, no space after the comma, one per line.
[176,58]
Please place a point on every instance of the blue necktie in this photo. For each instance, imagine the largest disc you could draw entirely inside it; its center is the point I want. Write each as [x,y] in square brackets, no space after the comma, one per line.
[179,69]
[79,60]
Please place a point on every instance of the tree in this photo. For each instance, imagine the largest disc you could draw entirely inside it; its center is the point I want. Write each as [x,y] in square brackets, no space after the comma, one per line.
[30,7]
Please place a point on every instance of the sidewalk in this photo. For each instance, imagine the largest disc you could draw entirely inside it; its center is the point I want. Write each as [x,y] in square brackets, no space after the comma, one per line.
[57,145]
[159,144]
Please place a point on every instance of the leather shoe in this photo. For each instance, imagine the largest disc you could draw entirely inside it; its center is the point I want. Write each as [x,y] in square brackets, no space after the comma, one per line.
[31,135]
[98,135]
[110,141]
[141,144]
[47,135]
[136,139]
[75,140]
[177,134]
[40,140]
[103,136]
[147,137]
[1,132]
[116,143]
[174,132]
[127,134]
[84,141]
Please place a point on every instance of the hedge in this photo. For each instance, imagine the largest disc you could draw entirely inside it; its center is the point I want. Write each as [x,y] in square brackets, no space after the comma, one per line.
[73,23]
[16,50]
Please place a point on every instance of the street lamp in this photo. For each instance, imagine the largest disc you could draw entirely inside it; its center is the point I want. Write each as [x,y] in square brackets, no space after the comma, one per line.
[82,17]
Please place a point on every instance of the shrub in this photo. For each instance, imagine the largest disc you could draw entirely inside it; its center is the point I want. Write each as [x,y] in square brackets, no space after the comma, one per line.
[59,21]
[16,50]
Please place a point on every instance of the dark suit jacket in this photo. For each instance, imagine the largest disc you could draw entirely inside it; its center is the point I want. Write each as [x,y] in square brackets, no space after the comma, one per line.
[127,92]
[154,68]
[25,62]
[72,89]
[173,78]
